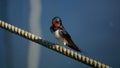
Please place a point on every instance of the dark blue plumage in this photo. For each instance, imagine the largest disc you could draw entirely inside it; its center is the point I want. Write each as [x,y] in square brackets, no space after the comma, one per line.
[61,34]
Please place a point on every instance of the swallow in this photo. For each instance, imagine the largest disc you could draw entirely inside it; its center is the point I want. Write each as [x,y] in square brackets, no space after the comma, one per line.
[58,30]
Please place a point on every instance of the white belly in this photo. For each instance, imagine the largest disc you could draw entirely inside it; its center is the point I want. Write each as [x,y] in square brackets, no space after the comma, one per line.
[58,37]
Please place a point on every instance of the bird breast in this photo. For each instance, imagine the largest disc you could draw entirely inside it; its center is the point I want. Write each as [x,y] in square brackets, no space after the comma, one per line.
[58,36]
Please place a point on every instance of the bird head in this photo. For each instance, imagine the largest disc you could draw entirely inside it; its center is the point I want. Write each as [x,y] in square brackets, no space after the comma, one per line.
[56,21]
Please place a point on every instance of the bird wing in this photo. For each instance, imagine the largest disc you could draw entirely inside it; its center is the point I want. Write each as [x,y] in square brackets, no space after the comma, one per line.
[64,33]
[67,37]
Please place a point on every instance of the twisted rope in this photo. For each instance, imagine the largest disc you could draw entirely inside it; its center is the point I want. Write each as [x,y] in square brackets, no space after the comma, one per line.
[53,46]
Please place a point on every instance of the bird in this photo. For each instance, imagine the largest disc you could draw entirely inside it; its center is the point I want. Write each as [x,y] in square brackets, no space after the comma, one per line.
[58,30]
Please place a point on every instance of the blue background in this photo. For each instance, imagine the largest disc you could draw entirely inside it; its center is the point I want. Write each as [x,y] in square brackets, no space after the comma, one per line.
[93,24]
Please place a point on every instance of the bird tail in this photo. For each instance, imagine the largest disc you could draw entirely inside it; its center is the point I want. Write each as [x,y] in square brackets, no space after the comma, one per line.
[72,45]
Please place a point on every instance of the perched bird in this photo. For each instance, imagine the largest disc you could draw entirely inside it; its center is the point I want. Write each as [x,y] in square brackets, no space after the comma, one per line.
[61,34]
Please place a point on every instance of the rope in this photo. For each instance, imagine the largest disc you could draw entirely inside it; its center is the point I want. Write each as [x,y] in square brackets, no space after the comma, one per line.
[53,46]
